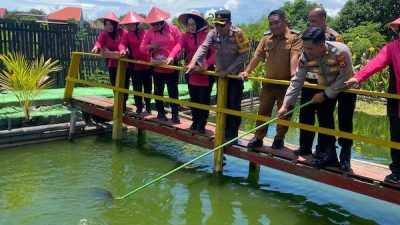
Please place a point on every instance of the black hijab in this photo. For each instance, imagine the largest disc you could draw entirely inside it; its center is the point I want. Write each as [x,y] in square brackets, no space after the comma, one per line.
[115,26]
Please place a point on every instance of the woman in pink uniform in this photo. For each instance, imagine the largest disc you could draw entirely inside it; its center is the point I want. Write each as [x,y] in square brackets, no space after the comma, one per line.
[388,56]
[159,41]
[109,40]
[129,46]
[197,30]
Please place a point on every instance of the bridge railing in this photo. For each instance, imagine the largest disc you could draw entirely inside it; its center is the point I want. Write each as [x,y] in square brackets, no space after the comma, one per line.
[220,110]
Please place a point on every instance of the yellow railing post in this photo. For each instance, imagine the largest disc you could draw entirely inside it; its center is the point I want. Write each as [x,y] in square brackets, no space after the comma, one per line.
[72,73]
[118,101]
[220,123]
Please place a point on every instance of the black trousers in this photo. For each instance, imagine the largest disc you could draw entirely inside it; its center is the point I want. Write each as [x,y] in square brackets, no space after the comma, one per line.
[171,80]
[200,94]
[112,72]
[234,101]
[346,106]
[326,119]
[141,79]
[324,112]
[395,136]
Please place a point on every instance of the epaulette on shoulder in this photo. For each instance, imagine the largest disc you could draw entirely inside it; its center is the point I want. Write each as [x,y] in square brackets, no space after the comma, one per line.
[295,32]
[268,32]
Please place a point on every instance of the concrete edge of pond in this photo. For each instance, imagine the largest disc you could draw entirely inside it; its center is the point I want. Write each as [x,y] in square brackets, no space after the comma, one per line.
[46,133]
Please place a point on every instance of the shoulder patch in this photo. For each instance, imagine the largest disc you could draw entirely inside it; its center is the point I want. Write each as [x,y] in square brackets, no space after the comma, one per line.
[267,32]
[341,59]
[242,41]
[339,39]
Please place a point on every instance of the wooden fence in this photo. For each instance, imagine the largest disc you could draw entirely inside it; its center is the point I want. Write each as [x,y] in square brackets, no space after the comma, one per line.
[55,41]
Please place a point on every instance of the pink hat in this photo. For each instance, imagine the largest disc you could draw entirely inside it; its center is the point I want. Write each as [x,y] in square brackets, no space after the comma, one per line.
[395,24]
[131,17]
[156,15]
[110,16]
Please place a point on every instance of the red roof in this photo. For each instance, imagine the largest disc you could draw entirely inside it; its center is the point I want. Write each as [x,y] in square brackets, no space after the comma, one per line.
[66,14]
[3,12]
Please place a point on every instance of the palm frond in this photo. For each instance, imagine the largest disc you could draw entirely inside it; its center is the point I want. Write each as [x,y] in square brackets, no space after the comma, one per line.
[26,79]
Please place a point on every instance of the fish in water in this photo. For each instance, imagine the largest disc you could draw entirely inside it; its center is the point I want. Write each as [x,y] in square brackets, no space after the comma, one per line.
[101,193]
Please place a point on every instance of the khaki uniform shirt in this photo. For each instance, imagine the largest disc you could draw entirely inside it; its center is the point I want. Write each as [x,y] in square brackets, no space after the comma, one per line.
[276,53]
[331,70]
[231,50]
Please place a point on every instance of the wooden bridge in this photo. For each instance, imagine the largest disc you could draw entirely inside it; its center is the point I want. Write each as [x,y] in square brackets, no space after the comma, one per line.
[365,178]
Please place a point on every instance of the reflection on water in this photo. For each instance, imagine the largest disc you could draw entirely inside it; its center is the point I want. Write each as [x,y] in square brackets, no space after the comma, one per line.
[71,183]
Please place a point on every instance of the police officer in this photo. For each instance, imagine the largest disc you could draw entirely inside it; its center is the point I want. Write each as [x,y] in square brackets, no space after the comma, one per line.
[346,101]
[317,18]
[232,48]
[331,64]
[280,49]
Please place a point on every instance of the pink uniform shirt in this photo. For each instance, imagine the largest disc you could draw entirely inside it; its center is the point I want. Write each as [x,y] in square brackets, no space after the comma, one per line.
[191,43]
[389,55]
[166,39]
[104,41]
[132,41]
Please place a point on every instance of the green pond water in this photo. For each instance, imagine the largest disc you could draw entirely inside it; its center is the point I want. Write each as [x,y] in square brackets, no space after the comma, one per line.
[69,183]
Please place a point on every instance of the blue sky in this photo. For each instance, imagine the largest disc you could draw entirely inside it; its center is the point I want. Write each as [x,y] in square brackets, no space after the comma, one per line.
[243,11]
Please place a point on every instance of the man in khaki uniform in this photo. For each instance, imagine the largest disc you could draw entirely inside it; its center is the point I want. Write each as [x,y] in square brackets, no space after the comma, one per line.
[280,50]
[331,64]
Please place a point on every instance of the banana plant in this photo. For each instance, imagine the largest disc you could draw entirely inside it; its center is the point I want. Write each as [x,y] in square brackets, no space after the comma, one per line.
[26,79]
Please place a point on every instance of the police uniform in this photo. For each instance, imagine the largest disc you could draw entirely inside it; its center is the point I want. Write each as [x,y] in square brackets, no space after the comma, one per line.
[331,70]
[332,35]
[276,52]
[231,53]
[346,106]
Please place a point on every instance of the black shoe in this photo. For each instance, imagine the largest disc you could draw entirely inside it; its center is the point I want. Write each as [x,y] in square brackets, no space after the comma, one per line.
[175,119]
[325,156]
[193,126]
[139,111]
[321,161]
[345,165]
[162,117]
[201,127]
[345,158]
[255,143]
[202,130]
[392,178]
[278,144]
[302,152]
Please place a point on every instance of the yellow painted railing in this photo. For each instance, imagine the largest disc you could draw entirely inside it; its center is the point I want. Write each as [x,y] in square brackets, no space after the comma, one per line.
[221,109]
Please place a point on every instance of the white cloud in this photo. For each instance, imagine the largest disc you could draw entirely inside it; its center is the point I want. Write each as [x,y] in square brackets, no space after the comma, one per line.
[231,4]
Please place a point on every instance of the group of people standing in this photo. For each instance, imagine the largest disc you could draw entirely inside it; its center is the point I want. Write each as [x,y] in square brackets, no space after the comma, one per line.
[316,56]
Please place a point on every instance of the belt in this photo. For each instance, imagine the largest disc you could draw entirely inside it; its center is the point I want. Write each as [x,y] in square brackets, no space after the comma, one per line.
[312,81]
